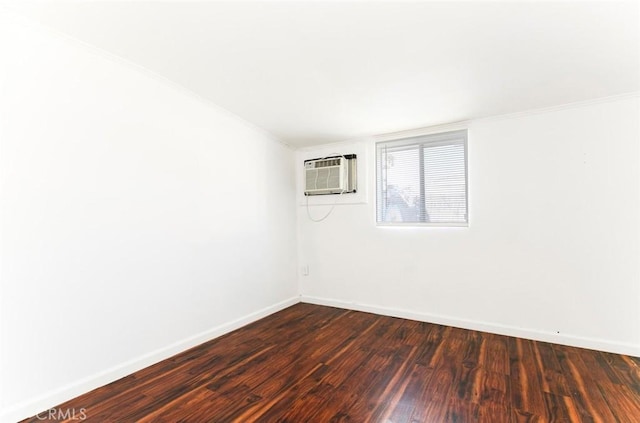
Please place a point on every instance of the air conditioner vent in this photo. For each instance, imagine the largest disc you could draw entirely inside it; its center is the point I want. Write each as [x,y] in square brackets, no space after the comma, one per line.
[327,163]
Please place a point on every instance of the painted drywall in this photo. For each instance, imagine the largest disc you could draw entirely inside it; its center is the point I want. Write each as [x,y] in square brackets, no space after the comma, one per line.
[137,220]
[552,247]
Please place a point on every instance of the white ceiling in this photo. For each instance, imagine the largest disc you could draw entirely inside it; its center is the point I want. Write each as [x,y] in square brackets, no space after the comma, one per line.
[318,72]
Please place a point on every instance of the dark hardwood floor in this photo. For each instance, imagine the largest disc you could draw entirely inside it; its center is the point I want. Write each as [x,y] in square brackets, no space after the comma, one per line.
[311,363]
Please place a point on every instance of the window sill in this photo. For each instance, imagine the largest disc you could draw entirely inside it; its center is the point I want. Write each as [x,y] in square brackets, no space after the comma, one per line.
[420,225]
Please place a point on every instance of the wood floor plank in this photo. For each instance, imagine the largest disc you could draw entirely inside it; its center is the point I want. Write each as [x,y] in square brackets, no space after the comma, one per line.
[390,384]
[432,404]
[491,388]
[559,408]
[585,392]
[495,354]
[311,363]
[553,380]
[460,411]
[410,394]
[626,368]
[622,402]
[527,393]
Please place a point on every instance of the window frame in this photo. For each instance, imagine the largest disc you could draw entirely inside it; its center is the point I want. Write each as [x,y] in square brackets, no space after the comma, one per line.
[458,136]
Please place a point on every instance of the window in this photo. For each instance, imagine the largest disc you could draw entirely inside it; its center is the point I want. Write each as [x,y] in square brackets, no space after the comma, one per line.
[423,180]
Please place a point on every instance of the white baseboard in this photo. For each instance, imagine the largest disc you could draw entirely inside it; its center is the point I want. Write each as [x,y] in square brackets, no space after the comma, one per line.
[563,339]
[50,399]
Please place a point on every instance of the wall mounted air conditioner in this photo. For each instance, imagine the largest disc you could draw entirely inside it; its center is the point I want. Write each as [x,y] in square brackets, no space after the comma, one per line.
[330,175]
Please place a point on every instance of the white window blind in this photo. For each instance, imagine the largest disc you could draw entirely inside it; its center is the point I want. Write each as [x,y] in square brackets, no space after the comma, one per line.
[423,180]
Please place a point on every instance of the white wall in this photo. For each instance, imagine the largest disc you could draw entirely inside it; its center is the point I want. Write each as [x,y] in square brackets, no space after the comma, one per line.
[136,219]
[552,249]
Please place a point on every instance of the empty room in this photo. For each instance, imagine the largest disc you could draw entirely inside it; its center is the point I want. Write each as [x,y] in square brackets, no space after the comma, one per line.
[319,211]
